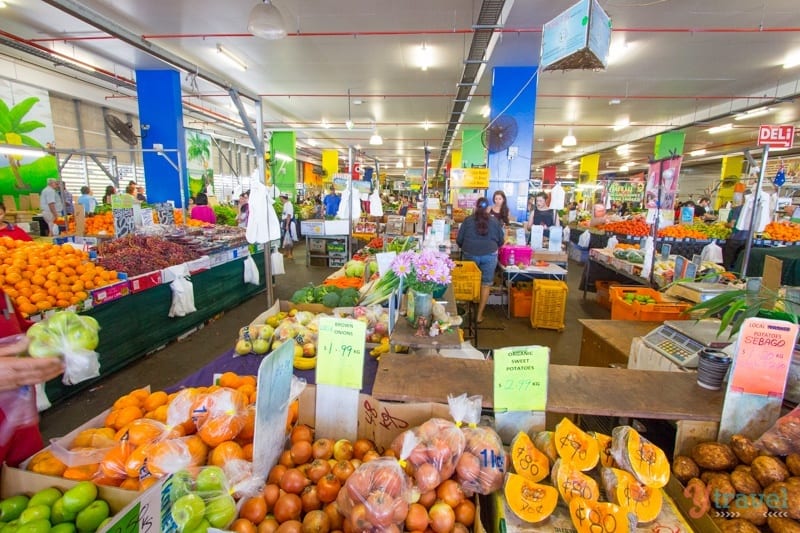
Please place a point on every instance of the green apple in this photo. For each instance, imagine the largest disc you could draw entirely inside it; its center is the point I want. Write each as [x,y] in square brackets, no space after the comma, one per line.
[80,496]
[89,322]
[36,526]
[35,512]
[80,337]
[11,527]
[59,515]
[45,497]
[188,511]
[12,507]
[260,346]
[202,528]
[66,527]
[210,479]
[221,511]
[266,332]
[92,516]
[243,347]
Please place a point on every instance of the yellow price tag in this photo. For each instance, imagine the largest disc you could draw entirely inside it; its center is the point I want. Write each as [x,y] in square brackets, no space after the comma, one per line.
[520,378]
[340,352]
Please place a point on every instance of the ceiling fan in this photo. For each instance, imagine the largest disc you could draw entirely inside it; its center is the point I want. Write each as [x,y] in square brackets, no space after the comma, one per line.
[122,129]
[500,134]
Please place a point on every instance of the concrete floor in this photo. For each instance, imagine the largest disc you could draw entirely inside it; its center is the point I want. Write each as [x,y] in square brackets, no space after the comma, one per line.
[179,359]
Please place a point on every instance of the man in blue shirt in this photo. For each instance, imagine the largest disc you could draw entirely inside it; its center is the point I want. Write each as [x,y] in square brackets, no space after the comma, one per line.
[87,200]
[331,202]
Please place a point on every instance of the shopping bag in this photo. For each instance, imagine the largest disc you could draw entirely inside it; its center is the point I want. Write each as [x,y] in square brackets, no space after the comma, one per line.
[182,292]
[276,260]
[711,252]
[287,239]
[251,271]
[584,239]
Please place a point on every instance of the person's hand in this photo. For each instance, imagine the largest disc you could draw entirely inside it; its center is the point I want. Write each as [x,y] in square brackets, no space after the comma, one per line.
[16,372]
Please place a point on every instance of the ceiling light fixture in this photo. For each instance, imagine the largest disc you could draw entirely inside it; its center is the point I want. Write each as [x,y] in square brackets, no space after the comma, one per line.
[614,101]
[486,111]
[265,21]
[399,164]
[29,151]
[720,128]
[753,113]
[425,59]
[621,124]
[426,125]
[375,139]
[623,149]
[569,139]
[698,153]
[792,60]
[558,149]
[3,4]
[325,124]
[624,168]
[283,157]
[233,58]
[570,163]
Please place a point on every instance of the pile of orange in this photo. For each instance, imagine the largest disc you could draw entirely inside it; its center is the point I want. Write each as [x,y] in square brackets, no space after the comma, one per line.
[782,231]
[102,224]
[626,246]
[681,232]
[147,435]
[636,227]
[39,276]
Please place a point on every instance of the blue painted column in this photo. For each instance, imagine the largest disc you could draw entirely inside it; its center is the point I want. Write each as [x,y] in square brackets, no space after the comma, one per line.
[161,108]
[513,94]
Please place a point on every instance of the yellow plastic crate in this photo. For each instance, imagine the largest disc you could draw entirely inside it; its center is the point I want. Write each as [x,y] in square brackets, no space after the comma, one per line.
[549,305]
[466,281]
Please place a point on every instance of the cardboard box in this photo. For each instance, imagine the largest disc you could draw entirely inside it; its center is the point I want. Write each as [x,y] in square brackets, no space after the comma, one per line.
[146,281]
[111,292]
[312,227]
[316,245]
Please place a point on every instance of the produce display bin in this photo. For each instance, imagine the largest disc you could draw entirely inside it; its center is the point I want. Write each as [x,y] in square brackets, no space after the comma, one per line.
[522,254]
[654,312]
[579,254]
[549,304]
[466,281]
[521,300]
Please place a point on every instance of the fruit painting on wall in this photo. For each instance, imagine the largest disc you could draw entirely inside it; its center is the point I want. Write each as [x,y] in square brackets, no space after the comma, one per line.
[25,121]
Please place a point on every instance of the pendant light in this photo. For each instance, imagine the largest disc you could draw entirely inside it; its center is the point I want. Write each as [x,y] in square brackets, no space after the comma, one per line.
[265,21]
[569,139]
[375,139]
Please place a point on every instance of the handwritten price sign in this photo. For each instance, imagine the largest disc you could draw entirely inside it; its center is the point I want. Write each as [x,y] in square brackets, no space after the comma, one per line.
[763,357]
[520,378]
[340,352]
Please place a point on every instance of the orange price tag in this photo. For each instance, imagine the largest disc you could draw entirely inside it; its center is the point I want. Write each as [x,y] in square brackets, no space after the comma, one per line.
[763,357]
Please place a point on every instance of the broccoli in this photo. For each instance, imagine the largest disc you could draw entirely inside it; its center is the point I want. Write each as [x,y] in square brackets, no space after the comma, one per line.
[331,300]
[320,291]
[350,292]
[348,300]
[298,296]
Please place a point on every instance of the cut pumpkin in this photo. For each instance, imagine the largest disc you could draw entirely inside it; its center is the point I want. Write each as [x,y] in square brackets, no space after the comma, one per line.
[571,482]
[530,501]
[528,461]
[626,491]
[545,443]
[604,443]
[576,446]
[598,517]
[646,461]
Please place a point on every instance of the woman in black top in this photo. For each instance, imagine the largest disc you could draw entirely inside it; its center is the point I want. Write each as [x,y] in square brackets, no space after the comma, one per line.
[479,237]
[500,208]
[541,216]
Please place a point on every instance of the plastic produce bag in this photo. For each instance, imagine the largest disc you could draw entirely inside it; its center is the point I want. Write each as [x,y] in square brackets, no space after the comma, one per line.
[712,252]
[242,482]
[375,497]
[19,408]
[251,274]
[585,239]
[220,416]
[182,292]
[276,259]
[783,438]
[71,336]
[375,204]
[482,465]
[612,242]
[431,451]
[201,497]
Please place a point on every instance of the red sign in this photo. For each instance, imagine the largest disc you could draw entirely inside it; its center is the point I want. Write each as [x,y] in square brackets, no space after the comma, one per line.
[777,136]
[762,362]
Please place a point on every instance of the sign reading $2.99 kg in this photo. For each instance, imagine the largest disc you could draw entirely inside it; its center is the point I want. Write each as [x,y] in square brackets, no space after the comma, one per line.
[340,352]
[520,378]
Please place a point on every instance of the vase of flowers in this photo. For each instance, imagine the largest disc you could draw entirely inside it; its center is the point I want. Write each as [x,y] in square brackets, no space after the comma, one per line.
[424,273]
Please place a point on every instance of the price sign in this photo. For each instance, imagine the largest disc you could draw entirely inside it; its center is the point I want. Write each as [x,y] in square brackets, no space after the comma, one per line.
[129,523]
[146,216]
[165,213]
[520,378]
[340,352]
[272,407]
[763,357]
[124,221]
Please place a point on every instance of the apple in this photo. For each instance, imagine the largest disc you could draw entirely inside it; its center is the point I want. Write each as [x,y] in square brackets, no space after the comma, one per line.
[210,478]
[89,322]
[40,332]
[12,507]
[80,337]
[34,526]
[202,528]
[221,511]
[343,450]
[40,348]
[59,515]
[309,349]
[276,344]
[188,511]
[80,497]
[34,512]
[92,516]
[45,497]
[266,332]
[243,347]
[66,527]
[260,346]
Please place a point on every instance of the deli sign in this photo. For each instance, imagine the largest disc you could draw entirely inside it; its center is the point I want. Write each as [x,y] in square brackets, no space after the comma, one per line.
[776,136]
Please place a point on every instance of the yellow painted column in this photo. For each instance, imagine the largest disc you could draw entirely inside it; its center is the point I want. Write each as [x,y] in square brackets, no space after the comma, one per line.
[330,162]
[729,177]
[455,159]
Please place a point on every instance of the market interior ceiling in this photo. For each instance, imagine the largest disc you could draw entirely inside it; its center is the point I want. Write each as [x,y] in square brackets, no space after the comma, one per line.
[686,65]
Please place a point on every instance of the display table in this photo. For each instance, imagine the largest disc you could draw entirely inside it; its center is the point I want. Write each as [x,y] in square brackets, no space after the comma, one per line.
[580,390]
[789,255]
[608,342]
[138,324]
[595,270]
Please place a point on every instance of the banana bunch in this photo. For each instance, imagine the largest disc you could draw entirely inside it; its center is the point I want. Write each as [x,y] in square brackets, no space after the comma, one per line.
[302,362]
[381,348]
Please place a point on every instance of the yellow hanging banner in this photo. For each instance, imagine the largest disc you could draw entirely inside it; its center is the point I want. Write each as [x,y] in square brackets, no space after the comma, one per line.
[455,159]
[590,166]
[330,163]
[729,177]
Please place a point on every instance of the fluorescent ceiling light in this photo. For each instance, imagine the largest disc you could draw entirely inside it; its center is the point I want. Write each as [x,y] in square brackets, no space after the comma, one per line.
[558,149]
[753,113]
[792,60]
[311,142]
[624,168]
[375,139]
[618,50]
[569,140]
[265,21]
[325,124]
[29,151]
[621,124]
[233,58]
[76,62]
[426,125]
[623,149]
[399,164]
[283,157]
[570,163]
[698,153]
[348,124]
[486,111]
[720,128]
[614,101]
[425,57]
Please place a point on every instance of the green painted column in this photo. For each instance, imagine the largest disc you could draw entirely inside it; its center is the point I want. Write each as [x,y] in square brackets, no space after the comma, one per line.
[472,151]
[283,145]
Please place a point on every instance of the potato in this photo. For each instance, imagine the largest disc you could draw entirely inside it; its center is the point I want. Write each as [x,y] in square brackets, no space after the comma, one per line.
[768,470]
[745,483]
[783,497]
[793,463]
[794,480]
[744,449]
[779,524]
[750,507]
[737,525]
[721,490]
[742,468]
[714,456]
[684,468]
[708,476]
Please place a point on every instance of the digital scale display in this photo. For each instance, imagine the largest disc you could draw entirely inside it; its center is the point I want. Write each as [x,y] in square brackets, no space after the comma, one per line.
[681,341]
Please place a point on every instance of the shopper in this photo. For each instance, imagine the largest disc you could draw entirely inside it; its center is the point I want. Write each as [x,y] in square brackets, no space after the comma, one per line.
[540,215]
[331,202]
[738,238]
[52,205]
[244,209]
[66,198]
[286,226]
[701,208]
[479,237]
[87,200]
[140,196]
[110,191]
[7,229]
[19,430]
[202,211]
[499,208]
[131,188]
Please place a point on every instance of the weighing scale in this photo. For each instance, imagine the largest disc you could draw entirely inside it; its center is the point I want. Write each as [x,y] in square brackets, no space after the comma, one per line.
[681,341]
[697,292]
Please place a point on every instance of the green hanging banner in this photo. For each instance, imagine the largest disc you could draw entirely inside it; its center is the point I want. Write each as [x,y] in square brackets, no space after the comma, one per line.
[669,144]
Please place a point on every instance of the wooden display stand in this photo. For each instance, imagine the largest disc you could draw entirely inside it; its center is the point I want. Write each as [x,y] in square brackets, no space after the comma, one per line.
[608,342]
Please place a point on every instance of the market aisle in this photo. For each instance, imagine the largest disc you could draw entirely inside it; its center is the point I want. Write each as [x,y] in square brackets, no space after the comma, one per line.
[168,366]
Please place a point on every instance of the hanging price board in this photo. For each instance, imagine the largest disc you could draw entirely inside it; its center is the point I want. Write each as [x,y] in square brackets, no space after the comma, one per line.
[340,352]
[146,216]
[124,222]
[165,213]
[520,378]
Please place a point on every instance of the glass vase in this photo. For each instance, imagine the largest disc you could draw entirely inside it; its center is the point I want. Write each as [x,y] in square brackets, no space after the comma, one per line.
[419,305]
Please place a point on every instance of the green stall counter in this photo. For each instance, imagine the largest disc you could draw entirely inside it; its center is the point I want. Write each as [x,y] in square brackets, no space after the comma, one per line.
[789,255]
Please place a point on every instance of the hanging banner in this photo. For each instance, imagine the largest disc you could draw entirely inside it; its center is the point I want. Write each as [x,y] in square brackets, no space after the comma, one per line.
[469,178]
[549,174]
[625,191]
[663,176]
[578,38]
[330,162]
[590,166]
[669,144]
